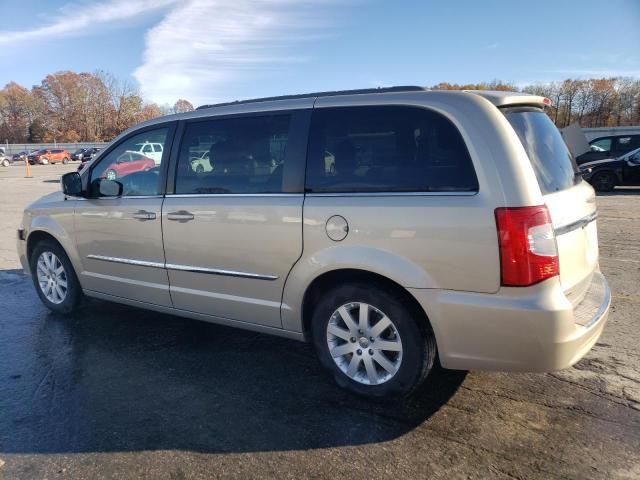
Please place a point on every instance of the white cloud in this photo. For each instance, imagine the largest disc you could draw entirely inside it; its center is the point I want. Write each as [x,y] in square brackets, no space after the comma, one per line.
[77,18]
[201,46]
[200,49]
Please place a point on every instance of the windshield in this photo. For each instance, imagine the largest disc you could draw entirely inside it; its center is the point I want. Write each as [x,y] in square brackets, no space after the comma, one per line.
[552,161]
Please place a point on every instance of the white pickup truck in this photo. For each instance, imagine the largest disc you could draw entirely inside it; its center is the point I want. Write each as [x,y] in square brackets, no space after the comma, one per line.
[150,150]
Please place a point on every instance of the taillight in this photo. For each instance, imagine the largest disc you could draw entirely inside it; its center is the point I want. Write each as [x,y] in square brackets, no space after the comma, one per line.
[528,252]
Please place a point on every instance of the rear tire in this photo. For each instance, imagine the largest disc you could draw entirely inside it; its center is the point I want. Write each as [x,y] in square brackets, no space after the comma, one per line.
[364,358]
[604,181]
[65,160]
[54,277]
[5,162]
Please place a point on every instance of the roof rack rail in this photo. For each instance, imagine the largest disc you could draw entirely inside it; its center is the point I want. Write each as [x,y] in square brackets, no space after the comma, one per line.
[401,88]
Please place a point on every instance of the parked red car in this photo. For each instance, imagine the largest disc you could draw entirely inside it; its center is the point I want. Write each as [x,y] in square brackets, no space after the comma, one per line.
[129,162]
[49,155]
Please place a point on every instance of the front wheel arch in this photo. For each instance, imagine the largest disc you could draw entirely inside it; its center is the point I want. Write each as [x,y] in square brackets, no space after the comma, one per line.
[600,173]
[38,236]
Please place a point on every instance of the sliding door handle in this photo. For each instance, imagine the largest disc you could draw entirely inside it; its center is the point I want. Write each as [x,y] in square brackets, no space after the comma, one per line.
[180,216]
[144,215]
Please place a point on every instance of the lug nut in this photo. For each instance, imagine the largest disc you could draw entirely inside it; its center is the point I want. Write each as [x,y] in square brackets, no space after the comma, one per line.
[370,351]
[371,339]
[352,339]
[359,352]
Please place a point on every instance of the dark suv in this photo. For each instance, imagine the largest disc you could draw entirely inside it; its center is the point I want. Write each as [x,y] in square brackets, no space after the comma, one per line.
[610,146]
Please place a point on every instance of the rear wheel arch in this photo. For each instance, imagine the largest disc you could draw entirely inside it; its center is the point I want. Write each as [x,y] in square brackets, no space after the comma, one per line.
[345,276]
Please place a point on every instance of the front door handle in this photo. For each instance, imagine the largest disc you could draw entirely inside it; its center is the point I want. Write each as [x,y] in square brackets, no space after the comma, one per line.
[180,216]
[144,215]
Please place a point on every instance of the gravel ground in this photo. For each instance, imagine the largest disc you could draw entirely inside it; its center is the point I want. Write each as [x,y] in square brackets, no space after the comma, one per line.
[116,392]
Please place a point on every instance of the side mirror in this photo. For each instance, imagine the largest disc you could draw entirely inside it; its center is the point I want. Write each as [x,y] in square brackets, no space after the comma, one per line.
[109,188]
[71,184]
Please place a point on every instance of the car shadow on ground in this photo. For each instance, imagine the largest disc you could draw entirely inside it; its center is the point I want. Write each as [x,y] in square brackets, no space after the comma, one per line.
[115,378]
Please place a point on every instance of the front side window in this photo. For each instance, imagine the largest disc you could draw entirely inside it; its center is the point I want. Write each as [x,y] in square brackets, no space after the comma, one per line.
[138,173]
[235,155]
[601,145]
[387,149]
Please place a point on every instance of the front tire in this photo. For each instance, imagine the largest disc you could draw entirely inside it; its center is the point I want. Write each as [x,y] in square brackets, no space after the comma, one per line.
[372,341]
[5,162]
[65,160]
[54,277]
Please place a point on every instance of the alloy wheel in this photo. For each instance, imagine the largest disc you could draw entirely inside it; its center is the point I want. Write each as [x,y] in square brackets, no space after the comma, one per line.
[52,277]
[364,343]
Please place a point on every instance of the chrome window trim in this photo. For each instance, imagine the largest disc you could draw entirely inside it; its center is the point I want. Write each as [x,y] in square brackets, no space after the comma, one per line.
[183,268]
[124,197]
[317,194]
[583,222]
[392,194]
[199,195]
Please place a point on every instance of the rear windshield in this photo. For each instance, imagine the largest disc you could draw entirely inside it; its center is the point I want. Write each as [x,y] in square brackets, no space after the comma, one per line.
[549,155]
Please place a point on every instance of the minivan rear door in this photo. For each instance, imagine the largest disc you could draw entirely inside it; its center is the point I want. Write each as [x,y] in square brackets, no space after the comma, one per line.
[570,200]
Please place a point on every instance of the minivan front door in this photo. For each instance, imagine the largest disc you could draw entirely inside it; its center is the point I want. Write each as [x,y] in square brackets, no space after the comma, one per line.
[232,234]
[119,238]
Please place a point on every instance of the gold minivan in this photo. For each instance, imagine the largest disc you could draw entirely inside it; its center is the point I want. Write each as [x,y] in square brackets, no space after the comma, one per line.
[448,224]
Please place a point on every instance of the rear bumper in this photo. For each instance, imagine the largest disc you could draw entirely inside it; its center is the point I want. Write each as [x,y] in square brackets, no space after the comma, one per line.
[534,329]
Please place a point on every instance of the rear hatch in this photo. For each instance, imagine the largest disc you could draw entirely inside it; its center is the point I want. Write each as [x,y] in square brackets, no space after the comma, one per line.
[570,200]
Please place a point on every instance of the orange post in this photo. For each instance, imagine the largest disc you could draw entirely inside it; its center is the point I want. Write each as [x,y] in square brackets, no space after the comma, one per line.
[26,162]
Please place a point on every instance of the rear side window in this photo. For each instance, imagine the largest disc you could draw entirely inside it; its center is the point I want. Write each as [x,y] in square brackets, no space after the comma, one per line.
[386,149]
[550,157]
[235,155]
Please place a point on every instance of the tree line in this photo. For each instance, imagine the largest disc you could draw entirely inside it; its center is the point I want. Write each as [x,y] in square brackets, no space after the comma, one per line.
[75,107]
[596,102]
[94,107]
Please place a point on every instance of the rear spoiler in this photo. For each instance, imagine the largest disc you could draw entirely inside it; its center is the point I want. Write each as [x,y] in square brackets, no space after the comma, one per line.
[511,99]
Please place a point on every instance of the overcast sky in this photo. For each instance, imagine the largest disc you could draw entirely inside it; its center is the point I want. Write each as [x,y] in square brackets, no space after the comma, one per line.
[212,50]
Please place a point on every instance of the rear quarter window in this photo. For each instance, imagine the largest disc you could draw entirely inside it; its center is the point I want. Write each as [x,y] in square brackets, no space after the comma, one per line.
[386,149]
[552,162]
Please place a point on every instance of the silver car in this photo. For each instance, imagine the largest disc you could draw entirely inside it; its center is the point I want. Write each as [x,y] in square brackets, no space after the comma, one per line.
[447,224]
